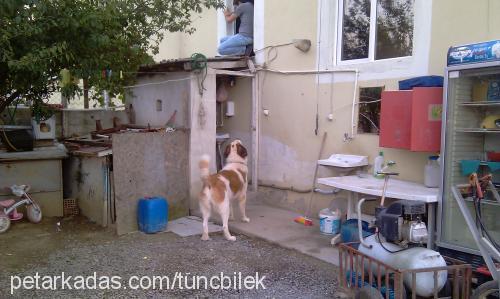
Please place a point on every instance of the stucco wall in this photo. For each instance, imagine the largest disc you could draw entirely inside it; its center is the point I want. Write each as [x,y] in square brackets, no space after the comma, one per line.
[203,40]
[457,22]
[288,144]
[172,89]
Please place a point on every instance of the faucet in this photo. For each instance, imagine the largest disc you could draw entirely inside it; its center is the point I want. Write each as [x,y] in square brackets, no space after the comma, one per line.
[347,137]
[387,165]
[386,179]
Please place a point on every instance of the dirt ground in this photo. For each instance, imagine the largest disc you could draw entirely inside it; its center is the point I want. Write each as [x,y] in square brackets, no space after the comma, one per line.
[82,248]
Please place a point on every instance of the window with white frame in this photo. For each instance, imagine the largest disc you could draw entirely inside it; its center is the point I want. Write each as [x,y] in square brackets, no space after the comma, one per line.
[375,29]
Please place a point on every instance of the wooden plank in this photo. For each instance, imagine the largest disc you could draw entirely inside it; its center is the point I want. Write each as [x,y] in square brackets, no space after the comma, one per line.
[238,64]
[233,73]
[92,152]
[251,66]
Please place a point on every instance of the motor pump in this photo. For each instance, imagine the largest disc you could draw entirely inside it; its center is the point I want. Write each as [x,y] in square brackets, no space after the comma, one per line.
[402,222]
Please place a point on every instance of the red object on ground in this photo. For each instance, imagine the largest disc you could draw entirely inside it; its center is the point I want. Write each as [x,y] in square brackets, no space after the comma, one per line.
[411,119]
[303,220]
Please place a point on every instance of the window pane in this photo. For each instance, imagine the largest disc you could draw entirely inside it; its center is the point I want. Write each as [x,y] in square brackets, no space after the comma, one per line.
[355,29]
[394,28]
[369,109]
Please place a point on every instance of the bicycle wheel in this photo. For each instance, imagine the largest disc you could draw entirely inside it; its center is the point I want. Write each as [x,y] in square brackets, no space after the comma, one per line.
[4,223]
[34,213]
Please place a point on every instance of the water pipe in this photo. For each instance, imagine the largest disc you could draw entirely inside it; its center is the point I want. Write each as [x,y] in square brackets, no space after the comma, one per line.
[360,222]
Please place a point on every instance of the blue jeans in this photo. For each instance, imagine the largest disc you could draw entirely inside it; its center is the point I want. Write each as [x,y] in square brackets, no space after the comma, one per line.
[234,44]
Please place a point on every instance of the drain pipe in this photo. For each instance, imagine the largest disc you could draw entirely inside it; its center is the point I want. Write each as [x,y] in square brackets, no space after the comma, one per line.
[354,93]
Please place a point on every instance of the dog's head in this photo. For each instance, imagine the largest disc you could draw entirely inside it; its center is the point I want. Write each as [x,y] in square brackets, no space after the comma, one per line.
[235,152]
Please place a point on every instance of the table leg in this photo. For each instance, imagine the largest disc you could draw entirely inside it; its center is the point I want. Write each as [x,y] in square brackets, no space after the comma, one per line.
[431,222]
[349,204]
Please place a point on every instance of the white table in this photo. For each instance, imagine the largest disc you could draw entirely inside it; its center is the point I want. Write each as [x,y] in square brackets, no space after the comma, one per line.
[397,189]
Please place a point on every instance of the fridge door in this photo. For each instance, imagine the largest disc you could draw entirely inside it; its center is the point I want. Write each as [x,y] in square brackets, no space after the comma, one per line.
[464,145]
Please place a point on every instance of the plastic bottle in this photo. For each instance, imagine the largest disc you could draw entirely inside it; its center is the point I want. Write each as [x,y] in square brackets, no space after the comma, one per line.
[432,172]
[378,164]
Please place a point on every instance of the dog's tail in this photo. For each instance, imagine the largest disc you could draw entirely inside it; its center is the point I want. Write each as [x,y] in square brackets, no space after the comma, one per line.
[204,164]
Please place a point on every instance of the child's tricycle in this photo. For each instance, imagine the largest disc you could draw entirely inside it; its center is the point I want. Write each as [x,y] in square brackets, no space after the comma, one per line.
[8,208]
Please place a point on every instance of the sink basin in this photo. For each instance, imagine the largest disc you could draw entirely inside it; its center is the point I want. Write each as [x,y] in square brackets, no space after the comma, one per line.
[344,161]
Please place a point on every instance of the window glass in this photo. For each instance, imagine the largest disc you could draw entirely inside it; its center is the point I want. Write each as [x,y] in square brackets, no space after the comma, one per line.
[394,28]
[356,29]
[369,109]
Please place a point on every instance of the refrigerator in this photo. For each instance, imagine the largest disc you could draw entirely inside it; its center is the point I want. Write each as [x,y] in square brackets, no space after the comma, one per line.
[470,138]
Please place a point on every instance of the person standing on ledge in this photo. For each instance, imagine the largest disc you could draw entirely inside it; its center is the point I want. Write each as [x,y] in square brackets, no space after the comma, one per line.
[236,44]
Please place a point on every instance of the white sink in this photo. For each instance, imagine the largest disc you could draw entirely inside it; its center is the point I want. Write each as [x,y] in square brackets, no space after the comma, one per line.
[344,161]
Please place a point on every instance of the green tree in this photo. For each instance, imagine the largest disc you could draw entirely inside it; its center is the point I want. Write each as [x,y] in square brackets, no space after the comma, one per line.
[39,38]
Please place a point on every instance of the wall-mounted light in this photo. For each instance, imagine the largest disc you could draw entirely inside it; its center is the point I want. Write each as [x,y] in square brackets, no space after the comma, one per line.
[302,44]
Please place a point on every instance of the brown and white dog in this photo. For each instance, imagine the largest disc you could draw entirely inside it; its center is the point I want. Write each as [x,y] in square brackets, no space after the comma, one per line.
[221,188]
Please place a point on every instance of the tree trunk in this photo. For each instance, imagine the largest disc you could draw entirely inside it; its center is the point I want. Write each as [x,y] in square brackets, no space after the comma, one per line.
[5,102]
[85,93]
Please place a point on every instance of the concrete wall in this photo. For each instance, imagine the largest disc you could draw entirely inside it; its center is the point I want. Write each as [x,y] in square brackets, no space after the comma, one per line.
[86,180]
[202,132]
[150,164]
[288,144]
[44,177]
[173,95]
[79,122]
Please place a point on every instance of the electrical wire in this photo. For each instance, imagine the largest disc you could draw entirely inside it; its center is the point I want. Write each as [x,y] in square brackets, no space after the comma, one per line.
[158,83]
[371,121]
[479,222]
[386,249]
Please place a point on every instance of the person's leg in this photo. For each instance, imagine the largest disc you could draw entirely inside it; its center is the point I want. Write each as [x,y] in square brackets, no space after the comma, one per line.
[238,50]
[234,45]
[225,38]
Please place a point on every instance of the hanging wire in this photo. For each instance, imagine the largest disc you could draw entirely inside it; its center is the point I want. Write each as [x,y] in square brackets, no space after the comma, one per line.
[199,66]
[158,83]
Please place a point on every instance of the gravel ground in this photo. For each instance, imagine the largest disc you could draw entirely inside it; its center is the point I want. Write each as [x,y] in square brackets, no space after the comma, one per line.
[81,248]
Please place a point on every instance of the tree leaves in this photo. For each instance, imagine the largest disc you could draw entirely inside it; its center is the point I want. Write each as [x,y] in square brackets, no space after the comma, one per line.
[39,38]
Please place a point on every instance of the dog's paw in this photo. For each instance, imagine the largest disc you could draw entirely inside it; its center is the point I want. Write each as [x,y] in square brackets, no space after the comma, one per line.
[245,219]
[231,238]
[205,237]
